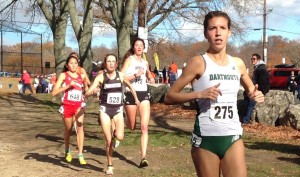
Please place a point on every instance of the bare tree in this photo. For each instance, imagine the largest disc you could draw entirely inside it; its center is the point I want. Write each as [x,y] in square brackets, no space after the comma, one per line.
[122,15]
[56,14]
[119,14]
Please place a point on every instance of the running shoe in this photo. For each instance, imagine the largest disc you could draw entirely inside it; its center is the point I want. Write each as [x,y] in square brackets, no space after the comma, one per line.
[116,142]
[68,157]
[110,170]
[144,163]
[81,160]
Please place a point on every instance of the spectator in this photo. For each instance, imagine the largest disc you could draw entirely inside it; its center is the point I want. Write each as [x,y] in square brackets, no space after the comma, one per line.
[95,69]
[26,81]
[42,84]
[53,79]
[164,73]
[172,76]
[52,82]
[297,82]
[261,78]
[156,73]
[174,68]
[150,68]
[292,85]
[45,84]
[36,82]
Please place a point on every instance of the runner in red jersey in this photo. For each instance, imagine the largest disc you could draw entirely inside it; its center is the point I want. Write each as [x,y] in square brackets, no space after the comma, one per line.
[70,83]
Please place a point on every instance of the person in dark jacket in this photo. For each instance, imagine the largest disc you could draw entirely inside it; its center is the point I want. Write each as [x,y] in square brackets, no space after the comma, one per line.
[297,83]
[261,78]
[164,73]
[292,84]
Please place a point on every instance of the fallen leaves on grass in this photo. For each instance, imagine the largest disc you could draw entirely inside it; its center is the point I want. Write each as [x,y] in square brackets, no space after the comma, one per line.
[272,132]
[172,111]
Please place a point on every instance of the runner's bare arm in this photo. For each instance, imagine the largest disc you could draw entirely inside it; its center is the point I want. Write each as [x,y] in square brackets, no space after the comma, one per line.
[125,67]
[194,69]
[58,86]
[149,75]
[127,83]
[97,81]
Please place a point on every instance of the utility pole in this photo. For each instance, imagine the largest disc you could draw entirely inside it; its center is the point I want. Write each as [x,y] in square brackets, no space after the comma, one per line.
[264,33]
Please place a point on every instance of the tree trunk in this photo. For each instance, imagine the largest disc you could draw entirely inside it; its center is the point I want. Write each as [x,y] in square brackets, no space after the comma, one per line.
[60,38]
[85,42]
[57,20]
[60,46]
[123,40]
[83,32]
[142,13]
[122,13]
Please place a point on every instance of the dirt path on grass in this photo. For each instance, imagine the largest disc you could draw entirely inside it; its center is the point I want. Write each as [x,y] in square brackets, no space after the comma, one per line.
[31,143]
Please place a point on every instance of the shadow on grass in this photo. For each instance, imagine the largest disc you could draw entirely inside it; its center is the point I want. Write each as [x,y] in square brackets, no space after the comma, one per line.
[291,160]
[279,147]
[90,149]
[161,119]
[271,146]
[50,138]
[60,161]
[12,98]
[163,123]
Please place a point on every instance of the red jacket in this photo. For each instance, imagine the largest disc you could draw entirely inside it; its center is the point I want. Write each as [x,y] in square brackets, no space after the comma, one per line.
[26,78]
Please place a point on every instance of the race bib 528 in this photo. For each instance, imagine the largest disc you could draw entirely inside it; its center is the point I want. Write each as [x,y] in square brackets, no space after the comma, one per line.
[114,98]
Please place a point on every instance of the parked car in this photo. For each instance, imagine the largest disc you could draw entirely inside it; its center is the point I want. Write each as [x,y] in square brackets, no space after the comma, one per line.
[280,74]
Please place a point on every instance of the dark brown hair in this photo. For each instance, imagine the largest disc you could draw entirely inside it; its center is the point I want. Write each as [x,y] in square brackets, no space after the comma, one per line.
[257,56]
[67,61]
[213,14]
[130,51]
[106,56]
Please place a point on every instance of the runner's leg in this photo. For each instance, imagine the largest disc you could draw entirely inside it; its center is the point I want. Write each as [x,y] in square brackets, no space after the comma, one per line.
[206,163]
[131,116]
[68,131]
[79,117]
[144,111]
[106,128]
[234,163]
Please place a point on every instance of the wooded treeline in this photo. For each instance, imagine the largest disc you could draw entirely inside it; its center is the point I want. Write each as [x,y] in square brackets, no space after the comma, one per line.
[278,48]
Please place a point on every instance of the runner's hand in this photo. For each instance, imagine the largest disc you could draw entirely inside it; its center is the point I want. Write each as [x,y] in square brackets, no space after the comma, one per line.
[257,95]
[211,93]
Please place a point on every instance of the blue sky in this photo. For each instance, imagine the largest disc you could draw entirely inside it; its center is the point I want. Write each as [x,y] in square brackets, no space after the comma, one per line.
[284,20]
